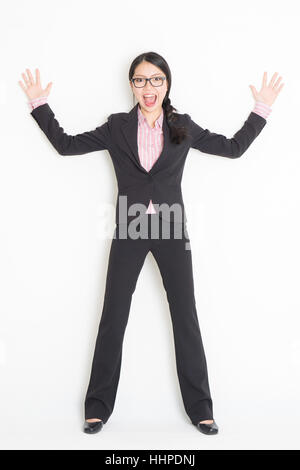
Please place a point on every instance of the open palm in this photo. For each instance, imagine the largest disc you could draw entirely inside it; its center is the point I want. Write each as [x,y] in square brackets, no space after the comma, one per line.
[267,93]
[33,89]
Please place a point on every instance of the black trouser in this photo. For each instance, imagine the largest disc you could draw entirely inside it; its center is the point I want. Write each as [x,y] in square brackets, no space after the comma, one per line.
[174,259]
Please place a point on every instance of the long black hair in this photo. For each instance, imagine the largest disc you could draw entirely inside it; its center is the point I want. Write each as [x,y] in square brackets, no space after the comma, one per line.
[177,133]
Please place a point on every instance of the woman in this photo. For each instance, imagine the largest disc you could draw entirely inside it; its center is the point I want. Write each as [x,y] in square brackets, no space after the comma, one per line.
[148,147]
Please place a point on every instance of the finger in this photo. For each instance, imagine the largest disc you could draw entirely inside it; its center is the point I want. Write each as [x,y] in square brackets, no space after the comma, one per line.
[264,80]
[25,78]
[48,88]
[22,85]
[38,78]
[31,81]
[280,88]
[277,83]
[273,79]
[254,91]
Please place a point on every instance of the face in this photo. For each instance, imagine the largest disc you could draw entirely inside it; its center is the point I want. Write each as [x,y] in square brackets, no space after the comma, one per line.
[148,70]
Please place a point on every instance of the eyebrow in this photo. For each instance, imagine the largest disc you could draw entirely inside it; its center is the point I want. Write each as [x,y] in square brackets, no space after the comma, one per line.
[140,75]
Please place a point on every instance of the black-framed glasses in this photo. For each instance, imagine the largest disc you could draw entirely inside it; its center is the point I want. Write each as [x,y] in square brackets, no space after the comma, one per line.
[140,82]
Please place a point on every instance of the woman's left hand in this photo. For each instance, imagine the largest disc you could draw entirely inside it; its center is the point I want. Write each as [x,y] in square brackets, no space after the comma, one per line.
[267,93]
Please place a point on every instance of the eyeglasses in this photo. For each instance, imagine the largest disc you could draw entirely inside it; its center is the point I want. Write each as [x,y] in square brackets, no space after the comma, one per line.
[141,82]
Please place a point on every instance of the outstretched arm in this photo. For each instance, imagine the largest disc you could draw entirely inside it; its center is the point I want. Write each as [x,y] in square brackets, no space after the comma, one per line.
[218,144]
[65,144]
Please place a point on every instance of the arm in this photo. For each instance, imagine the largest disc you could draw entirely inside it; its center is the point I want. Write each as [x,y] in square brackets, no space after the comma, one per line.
[79,144]
[218,144]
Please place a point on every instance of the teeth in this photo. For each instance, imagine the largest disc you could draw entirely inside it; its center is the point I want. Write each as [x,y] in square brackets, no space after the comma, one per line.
[149,95]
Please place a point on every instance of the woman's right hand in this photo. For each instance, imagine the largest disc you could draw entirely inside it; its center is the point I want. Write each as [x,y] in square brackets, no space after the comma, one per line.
[33,89]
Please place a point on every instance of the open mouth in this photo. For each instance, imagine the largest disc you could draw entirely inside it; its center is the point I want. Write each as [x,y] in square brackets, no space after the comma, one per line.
[150,99]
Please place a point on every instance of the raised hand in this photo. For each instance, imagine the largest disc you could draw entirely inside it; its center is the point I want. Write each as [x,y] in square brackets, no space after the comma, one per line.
[267,93]
[33,89]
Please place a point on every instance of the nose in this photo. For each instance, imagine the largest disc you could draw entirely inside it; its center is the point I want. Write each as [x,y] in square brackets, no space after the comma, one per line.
[149,88]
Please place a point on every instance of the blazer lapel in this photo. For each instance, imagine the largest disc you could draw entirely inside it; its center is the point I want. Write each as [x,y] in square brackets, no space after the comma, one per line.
[130,130]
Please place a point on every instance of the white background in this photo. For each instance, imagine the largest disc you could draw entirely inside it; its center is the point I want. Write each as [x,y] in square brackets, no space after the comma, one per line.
[243,222]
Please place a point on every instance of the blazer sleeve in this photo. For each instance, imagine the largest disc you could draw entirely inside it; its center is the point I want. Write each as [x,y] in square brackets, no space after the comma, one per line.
[79,144]
[218,144]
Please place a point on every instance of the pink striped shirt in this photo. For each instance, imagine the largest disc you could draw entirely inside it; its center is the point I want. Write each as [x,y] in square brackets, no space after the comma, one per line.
[151,140]
[150,144]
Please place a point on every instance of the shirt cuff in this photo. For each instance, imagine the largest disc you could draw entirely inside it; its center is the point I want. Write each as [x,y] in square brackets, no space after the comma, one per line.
[262,109]
[34,103]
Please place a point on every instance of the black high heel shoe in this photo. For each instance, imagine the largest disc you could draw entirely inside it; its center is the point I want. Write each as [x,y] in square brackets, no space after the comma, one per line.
[92,427]
[208,428]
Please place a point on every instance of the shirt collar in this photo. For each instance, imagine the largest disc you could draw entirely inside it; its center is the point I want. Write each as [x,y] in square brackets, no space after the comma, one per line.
[158,122]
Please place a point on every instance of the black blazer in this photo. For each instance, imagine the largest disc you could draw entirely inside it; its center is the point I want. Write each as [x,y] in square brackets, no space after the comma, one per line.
[162,183]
